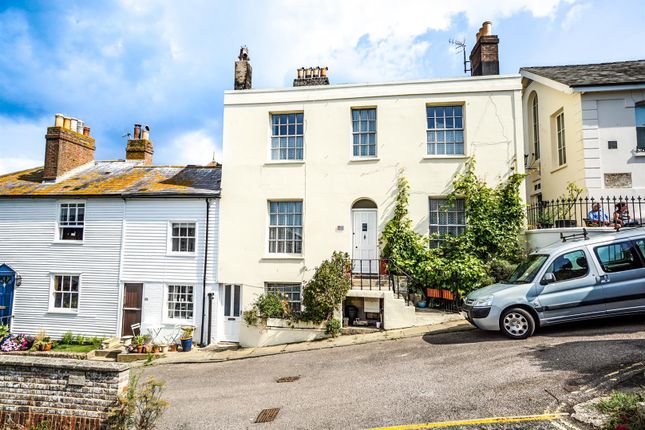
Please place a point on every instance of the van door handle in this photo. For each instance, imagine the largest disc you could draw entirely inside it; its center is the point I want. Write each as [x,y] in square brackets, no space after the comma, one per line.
[603,279]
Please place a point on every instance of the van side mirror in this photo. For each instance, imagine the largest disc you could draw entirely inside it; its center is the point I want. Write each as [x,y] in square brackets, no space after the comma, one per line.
[548,279]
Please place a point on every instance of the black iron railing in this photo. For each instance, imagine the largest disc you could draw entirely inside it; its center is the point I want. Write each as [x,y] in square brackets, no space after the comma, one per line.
[583,212]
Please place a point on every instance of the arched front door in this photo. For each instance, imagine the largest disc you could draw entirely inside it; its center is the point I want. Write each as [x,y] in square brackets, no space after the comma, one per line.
[7,284]
[364,238]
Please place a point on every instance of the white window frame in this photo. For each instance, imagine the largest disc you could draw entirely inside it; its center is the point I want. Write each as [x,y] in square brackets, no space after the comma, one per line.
[358,133]
[52,279]
[560,139]
[268,252]
[57,234]
[444,129]
[166,305]
[170,237]
[270,287]
[271,136]
[535,125]
[436,242]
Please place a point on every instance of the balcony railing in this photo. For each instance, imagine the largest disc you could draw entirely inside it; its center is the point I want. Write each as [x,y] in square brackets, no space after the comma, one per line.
[580,212]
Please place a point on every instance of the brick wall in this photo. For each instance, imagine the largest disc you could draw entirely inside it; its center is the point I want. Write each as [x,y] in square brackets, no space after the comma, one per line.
[65,150]
[68,394]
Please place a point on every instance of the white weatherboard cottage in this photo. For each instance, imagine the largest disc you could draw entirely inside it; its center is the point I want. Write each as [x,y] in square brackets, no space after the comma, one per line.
[103,245]
[314,169]
[585,124]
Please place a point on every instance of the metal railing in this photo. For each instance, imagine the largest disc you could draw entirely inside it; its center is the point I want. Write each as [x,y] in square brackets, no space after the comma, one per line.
[580,212]
[384,275]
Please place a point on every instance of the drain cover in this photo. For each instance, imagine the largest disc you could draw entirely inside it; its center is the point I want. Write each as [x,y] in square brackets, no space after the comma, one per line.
[287,379]
[267,415]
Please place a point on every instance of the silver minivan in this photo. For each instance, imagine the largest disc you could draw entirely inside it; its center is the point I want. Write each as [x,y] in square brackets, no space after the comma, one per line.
[577,278]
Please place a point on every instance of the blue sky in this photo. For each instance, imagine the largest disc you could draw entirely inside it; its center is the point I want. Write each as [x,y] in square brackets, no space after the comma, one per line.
[167,63]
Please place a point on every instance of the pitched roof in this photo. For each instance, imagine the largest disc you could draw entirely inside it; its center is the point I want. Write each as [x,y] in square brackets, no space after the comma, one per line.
[116,178]
[582,75]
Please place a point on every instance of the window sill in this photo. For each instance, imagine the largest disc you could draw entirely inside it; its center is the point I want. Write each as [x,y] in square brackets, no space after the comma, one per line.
[445,157]
[639,154]
[284,162]
[559,168]
[363,159]
[69,242]
[181,254]
[62,312]
[295,257]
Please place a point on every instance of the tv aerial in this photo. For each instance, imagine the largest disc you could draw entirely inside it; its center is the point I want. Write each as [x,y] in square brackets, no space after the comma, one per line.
[461,46]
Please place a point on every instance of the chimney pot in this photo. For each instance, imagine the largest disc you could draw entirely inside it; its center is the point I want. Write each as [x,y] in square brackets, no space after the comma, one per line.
[86,131]
[323,71]
[73,125]
[79,127]
[59,120]
[487,28]
[146,133]
[137,131]
[66,123]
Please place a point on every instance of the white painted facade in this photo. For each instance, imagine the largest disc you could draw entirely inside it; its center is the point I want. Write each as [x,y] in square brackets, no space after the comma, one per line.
[593,117]
[125,241]
[329,180]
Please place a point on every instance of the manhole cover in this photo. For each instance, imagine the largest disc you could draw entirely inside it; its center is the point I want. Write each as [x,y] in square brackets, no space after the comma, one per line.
[267,415]
[287,379]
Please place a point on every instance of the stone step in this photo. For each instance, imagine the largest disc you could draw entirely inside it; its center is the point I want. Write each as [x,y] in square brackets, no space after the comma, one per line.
[108,353]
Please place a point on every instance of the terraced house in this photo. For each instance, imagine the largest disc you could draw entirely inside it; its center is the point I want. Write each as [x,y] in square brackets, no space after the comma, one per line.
[95,247]
[314,169]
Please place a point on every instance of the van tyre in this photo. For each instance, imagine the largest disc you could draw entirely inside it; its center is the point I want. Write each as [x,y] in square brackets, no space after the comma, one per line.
[517,323]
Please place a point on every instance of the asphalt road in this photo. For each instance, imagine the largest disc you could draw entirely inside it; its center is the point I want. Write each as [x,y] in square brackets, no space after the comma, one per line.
[441,377]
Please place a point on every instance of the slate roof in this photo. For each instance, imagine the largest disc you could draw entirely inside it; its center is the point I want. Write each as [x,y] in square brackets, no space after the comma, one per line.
[582,75]
[117,178]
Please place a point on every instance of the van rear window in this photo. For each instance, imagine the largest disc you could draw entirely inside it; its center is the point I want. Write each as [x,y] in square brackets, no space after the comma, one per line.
[618,257]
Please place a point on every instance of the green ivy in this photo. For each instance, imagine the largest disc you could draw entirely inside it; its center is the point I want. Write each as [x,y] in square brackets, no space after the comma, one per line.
[482,255]
[327,289]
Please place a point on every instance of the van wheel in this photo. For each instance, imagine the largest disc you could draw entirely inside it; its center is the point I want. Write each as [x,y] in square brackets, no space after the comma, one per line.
[517,323]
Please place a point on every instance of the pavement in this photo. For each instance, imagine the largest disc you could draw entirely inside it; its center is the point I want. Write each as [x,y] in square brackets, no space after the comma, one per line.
[426,322]
[423,381]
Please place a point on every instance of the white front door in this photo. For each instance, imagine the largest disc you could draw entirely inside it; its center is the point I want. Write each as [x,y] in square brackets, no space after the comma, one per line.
[231,296]
[364,241]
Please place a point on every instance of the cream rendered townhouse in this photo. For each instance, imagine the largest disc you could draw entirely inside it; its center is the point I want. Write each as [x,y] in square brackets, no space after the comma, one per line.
[313,169]
[585,125]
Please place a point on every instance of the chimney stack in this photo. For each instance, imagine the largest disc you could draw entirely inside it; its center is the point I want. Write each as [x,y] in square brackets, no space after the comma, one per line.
[139,148]
[484,58]
[243,70]
[66,148]
[310,76]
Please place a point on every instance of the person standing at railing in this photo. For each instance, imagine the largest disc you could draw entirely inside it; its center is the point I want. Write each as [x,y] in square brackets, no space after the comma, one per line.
[622,217]
[597,216]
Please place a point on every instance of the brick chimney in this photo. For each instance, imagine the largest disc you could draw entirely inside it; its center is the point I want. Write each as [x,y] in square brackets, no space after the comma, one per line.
[243,70]
[484,58]
[310,76]
[67,148]
[139,148]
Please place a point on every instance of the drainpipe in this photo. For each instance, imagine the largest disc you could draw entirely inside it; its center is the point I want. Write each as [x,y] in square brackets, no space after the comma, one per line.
[201,331]
[210,316]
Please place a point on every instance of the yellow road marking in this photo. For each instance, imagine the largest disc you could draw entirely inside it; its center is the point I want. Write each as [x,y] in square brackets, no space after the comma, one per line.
[480,421]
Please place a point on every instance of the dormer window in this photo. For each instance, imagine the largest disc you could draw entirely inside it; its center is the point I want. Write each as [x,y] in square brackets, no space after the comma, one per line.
[71,222]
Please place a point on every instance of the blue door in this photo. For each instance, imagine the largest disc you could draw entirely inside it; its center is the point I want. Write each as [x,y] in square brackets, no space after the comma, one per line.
[7,283]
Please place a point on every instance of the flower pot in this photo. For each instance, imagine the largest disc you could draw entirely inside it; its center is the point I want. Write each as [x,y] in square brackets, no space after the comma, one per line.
[139,349]
[186,345]
[433,293]
[164,349]
[421,304]
[383,267]
[172,347]
[156,349]
[447,295]
[47,346]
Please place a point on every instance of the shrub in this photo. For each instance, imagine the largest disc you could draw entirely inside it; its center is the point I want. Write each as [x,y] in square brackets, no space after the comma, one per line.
[68,338]
[139,407]
[327,289]
[272,305]
[622,408]
[333,327]
[4,331]
[251,317]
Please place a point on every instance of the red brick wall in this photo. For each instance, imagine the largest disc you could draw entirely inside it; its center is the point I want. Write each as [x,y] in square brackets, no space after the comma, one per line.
[24,420]
[65,150]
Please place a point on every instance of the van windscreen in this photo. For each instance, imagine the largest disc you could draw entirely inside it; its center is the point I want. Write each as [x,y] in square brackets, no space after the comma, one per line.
[526,270]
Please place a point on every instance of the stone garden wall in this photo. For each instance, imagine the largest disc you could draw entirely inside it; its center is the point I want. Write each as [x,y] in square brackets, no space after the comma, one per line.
[68,394]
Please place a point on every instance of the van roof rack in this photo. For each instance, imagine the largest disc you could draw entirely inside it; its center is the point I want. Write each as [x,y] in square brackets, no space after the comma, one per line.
[630,227]
[584,235]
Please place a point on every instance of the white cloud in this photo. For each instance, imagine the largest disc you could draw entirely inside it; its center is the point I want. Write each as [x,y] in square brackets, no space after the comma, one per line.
[194,147]
[574,15]
[21,141]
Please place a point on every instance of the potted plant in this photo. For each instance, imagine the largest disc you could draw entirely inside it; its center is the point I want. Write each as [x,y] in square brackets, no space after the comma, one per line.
[138,342]
[545,220]
[172,347]
[568,202]
[187,338]
[156,348]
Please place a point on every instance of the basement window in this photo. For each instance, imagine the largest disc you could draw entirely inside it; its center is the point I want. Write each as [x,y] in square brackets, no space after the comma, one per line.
[71,222]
